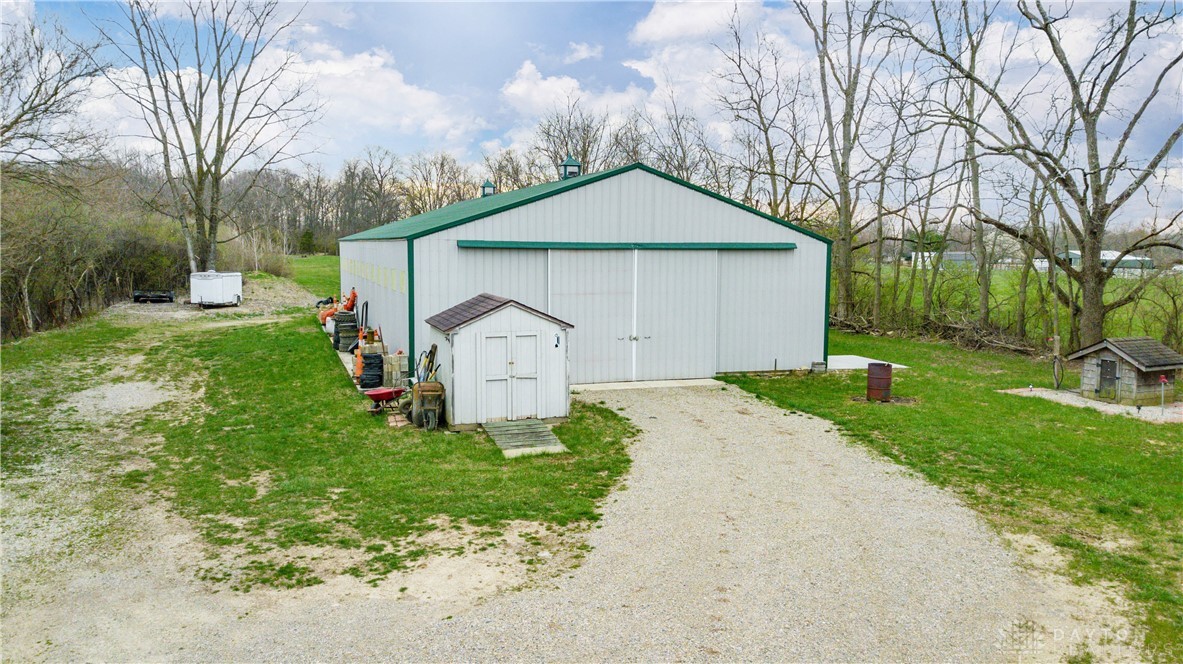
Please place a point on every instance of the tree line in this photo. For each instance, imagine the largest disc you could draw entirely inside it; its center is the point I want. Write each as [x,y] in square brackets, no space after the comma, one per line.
[970,191]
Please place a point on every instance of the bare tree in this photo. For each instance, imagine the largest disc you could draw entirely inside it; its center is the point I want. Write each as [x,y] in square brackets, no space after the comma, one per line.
[677,143]
[755,96]
[43,78]
[509,169]
[587,135]
[1107,163]
[218,92]
[847,63]
[434,180]
[382,166]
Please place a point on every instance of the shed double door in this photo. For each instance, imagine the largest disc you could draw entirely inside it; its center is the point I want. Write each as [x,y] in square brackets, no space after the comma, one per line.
[509,376]
[638,315]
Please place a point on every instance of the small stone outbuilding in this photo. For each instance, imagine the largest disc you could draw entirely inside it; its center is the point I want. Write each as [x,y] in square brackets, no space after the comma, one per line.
[1128,370]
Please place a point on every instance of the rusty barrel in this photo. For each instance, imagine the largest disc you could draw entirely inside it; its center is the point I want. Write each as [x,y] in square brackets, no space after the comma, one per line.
[878,381]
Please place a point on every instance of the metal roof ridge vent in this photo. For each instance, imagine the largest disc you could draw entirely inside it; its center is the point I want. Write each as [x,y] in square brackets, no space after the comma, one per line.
[570,168]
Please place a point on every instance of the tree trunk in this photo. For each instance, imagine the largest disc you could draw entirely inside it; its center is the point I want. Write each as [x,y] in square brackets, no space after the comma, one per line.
[1024,278]
[1092,306]
[843,259]
[29,321]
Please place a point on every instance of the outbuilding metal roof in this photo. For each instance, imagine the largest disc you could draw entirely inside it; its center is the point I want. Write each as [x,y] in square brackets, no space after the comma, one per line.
[1145,353]
[480,306]
[478,208]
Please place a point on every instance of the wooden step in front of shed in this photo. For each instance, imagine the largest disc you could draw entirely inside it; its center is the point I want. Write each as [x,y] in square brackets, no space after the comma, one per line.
[522,437]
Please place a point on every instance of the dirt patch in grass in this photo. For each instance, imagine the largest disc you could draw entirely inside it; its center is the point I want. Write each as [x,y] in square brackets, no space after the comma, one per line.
[262,295]
[101,403]
[1085,619]
[97,558]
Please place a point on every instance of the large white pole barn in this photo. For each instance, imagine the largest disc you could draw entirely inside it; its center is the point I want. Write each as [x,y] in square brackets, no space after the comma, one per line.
[661,279]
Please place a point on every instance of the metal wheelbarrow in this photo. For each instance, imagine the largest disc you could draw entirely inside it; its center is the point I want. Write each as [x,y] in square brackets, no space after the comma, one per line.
[385,398]
[427,399]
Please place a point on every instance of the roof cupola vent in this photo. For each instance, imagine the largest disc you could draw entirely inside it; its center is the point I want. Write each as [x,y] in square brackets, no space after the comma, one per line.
[488,189]
[570,168]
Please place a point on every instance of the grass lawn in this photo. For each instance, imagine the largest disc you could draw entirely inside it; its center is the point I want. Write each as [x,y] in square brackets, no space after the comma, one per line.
[274,458]
[1078,478]
[287,455]
[321,275]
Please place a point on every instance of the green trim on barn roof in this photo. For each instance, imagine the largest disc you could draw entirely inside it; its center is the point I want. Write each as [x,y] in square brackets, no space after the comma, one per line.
[478,208]
[584,246]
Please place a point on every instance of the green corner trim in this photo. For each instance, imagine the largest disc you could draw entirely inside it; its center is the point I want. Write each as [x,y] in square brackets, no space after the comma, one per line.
[667,246]
[826,321]
[411,300]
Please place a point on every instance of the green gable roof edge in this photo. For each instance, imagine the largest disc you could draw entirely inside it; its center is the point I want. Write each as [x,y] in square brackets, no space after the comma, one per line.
[471,210]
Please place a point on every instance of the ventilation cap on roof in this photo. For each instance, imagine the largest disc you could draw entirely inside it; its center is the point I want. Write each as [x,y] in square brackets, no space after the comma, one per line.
[488,189]
[570,168]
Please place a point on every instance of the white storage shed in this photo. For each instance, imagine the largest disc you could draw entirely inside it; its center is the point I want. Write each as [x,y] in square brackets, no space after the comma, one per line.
[500,360]
[660,278]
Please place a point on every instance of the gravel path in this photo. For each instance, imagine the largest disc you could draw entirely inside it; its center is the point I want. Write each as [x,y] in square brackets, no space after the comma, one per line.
[744,533]
[1173,412]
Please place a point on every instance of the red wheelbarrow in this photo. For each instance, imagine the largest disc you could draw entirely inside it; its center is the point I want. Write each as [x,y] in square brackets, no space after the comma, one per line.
[385,398]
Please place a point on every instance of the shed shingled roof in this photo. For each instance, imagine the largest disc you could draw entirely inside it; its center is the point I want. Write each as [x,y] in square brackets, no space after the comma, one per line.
[480,306]
[1146,353]
[479,208]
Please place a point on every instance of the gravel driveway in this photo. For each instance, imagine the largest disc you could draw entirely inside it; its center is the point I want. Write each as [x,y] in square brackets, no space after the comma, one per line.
[744,533]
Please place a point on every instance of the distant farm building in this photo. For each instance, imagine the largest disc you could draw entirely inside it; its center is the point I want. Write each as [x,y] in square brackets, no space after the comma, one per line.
[946,259]
[1121,264]
[1129,370]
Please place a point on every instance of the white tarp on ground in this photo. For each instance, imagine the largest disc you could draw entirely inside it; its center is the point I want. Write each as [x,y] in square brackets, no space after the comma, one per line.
[854,362]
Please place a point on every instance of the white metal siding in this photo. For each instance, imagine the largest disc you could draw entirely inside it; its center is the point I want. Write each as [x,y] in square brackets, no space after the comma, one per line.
[677,314]
[378,269]
[446,276]
[593,291]
[771,310]
[632,207]
[769,306]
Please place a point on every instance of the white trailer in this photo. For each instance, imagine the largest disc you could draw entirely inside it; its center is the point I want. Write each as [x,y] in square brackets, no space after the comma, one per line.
[215,289]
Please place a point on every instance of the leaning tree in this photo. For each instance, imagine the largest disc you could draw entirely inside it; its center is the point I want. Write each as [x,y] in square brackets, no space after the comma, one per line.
[1101,99]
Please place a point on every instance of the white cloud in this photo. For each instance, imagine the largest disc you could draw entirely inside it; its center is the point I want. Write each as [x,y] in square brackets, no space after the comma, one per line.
[532,94]
[17,12]
[364,92]
[583,51]
[365,99]
[674,21]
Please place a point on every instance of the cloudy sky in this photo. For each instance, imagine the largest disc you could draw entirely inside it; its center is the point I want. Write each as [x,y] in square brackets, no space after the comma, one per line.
[465,76]
[471,77]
